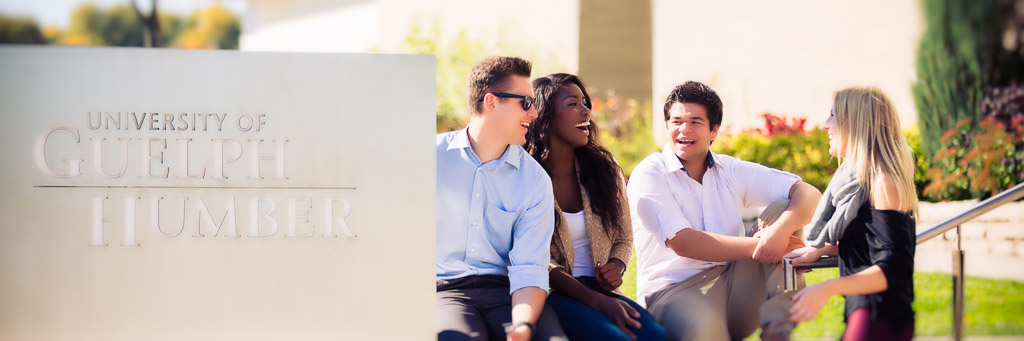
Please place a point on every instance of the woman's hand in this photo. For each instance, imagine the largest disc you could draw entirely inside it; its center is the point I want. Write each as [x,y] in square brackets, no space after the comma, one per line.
[619,312]
[809,301]
[805,254]
[808,254]
[609,275]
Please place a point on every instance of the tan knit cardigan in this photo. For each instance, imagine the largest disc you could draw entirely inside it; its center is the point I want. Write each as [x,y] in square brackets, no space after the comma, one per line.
[617,243]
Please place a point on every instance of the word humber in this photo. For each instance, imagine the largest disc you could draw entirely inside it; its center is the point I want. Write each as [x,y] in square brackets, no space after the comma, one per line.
[262,223]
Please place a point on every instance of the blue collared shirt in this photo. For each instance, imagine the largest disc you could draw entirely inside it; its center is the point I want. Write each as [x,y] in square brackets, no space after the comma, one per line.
[495,218]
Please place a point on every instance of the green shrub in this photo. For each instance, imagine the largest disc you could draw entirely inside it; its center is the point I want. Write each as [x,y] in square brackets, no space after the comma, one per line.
[786,145]
[624,127]
[783,144]
[960,55]
[921,163]
[454,61]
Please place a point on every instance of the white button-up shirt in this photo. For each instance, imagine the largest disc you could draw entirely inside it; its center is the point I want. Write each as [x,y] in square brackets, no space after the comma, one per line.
[664,200]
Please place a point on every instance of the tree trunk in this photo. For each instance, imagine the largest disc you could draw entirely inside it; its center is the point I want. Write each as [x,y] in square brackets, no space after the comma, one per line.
[151,25]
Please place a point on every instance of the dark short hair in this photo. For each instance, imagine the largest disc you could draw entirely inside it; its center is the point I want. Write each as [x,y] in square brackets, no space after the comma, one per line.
[490,75]
[697,93]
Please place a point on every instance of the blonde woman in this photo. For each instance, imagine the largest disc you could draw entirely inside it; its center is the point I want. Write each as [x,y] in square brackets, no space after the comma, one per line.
[866,217]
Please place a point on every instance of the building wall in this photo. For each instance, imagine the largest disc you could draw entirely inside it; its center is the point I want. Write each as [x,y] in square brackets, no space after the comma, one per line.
[785,58]
[615,46]
[550,36]
[311,26]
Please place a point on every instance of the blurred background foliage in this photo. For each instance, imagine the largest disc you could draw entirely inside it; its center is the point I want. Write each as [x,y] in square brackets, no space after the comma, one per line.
[978,163]
[970,63]
[625,126]
[454,61]
[212,28]
[783,143]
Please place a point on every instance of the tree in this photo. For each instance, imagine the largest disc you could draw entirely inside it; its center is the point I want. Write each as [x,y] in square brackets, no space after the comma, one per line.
[956,63]
[211,28]
[150,23]
[20,31]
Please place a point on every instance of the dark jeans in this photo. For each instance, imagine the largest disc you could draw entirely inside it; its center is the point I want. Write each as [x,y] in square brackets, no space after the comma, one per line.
[581,322]
[477,307]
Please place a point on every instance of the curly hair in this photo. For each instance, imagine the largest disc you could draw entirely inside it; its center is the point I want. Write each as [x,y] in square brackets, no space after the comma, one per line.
[698,93]
[599,174]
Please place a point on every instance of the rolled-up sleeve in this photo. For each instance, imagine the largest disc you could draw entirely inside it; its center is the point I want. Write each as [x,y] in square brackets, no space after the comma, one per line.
[761,185]
[653,203]
[531,241]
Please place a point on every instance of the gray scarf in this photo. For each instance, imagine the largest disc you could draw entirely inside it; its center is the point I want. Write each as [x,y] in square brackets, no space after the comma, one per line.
[838,206]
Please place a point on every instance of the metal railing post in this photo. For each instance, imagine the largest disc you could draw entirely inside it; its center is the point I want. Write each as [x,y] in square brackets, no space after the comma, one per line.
[790,274]
[958,289]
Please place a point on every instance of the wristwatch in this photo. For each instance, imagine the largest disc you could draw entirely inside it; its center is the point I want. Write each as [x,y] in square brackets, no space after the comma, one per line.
[510,326]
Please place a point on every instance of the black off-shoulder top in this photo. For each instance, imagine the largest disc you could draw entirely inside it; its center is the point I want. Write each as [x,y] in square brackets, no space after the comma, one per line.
[885,238]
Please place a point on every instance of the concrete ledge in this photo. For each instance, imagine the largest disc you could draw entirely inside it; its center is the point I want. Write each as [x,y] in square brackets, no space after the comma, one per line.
[993,243]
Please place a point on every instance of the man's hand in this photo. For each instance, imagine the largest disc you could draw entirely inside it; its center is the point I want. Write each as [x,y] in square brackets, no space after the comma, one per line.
[609,275]
[521,333]
[621,313]
[527,303]
[772,244]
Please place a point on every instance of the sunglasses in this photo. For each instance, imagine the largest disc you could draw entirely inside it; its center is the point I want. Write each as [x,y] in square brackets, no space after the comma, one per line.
[527,100]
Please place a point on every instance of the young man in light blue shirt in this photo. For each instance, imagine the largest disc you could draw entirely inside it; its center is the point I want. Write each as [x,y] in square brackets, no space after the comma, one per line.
[495,215]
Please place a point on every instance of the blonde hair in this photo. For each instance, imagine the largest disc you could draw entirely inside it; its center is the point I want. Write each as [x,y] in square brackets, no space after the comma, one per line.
[873,141]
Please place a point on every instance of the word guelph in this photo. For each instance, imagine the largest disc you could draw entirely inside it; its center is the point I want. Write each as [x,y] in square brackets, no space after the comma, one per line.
[331,212]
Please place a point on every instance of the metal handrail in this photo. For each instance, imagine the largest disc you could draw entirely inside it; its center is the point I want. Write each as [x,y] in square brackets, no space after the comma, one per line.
[1007,196]
[1010,195]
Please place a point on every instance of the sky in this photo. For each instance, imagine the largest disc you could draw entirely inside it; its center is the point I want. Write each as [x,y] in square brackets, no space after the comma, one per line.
[58,12]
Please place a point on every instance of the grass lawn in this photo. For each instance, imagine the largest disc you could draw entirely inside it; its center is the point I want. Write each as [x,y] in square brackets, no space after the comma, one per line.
[993,307]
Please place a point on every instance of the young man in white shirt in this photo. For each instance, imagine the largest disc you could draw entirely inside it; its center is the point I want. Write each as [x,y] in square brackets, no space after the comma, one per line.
[699,272]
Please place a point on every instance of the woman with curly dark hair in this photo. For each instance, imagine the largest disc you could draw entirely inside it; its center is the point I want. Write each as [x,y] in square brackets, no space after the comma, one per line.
[592,242]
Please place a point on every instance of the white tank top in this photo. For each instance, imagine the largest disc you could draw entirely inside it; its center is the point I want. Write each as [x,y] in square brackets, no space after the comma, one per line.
[583,259]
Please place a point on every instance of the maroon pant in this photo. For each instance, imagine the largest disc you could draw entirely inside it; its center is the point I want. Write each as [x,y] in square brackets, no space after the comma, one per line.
[859,327]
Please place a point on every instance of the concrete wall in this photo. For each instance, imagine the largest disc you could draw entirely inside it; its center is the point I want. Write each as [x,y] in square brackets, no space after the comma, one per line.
[993,243]
[545,31]
[615,47]
[785,57]
[220,195]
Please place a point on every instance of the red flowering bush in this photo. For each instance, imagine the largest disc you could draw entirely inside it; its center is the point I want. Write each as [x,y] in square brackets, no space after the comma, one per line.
[978,164]
[783,144]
